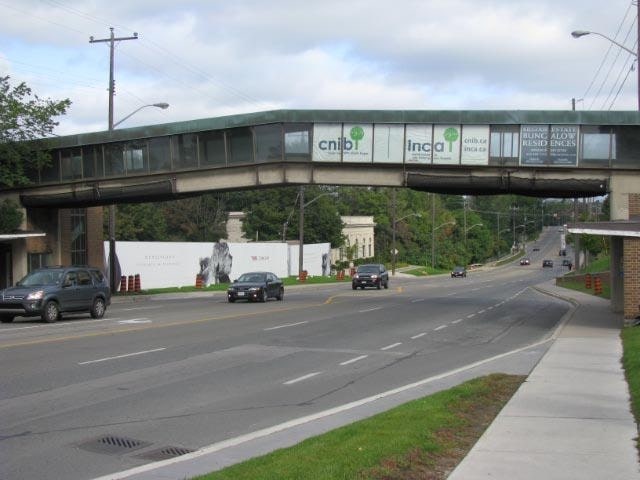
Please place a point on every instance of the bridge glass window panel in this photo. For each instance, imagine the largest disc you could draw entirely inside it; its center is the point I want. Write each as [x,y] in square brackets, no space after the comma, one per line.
[211,146]
[113,159]
[627,147]
[297,144]
[187,151]
[268,143]
[595,146]
[240,141]
[71,164]
[159,154]
[51,172]
[89,162]
[504,145]
[136,158]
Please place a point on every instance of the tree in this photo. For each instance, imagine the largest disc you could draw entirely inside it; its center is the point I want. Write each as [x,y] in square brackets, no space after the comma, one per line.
[10,216]
[25,122]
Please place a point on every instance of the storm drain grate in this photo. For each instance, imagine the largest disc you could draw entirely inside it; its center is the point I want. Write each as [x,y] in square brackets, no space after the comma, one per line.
[113,445]
[165,453]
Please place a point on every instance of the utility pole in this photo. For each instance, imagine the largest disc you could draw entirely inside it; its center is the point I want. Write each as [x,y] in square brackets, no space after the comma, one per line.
[112,208]
[301,233]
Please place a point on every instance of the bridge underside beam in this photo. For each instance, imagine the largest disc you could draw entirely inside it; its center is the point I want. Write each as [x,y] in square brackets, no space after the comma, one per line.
[480,181]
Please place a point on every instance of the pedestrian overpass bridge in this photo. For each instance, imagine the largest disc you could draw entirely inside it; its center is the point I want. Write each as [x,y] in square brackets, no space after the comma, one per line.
[535,153]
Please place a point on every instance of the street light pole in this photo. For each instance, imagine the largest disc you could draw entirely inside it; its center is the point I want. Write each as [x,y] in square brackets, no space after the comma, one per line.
[301,232]
[582,33]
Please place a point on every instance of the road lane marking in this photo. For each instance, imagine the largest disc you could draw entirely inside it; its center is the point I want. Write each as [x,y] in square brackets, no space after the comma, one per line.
[471,315]
[441,327]
[481,311]
[457,321]
[393,345]
[122,356]
[57,324]
[153,307]
[353,360]
[135,320]
[370,310]
[418,335]
[416,300]
[286,325]
[304,377]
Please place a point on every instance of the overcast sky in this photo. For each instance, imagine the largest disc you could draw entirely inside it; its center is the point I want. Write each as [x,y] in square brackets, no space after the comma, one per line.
[208,58]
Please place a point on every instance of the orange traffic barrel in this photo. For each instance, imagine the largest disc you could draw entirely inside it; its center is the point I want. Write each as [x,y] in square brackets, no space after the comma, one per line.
[587,280]
[123,284]
[198,281]
[303,276]
[130,284]
[137,282]
[597,286]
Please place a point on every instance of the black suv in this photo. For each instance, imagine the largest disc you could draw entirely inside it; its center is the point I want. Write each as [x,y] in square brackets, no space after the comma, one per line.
[48,292]
[370,275]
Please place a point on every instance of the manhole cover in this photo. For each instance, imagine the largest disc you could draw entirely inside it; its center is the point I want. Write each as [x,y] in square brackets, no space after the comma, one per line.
[164,453]
[113,445]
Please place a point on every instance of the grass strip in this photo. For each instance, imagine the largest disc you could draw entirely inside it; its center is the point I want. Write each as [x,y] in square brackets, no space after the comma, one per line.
[631,364]
[425,438]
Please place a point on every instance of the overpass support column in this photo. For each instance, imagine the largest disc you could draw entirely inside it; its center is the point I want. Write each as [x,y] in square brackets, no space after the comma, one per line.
[617,278]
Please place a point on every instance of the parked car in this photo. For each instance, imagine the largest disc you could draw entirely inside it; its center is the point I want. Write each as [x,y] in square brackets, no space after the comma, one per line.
[51,291]
[458,272]
[547,263]
[525,261]
[370,275]
[256,286]
[536,249]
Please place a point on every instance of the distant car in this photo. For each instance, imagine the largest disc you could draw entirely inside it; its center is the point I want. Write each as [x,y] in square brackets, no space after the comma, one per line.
[458,272]
[256,287]
[562,252]
[370,275]
[51,291]
[567,263]
[525,261]
[547,263]
[536,249]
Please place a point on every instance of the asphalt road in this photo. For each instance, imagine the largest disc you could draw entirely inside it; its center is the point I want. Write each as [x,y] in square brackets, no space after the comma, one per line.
[186,372]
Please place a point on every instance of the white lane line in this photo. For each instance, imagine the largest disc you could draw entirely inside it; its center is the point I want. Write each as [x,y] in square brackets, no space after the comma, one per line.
[285,325]
[489,308]
[306,420]
[481,311]
[122,356]
[142,308]
[370,310]
[57,324]
[418,300]
[353,360]
[471,315]
[304,377]
[457,321]
[393,345]
[135,320]
[418,335]
[441,327]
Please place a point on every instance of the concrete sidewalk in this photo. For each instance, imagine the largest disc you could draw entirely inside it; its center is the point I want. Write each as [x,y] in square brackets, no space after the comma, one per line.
[571,419]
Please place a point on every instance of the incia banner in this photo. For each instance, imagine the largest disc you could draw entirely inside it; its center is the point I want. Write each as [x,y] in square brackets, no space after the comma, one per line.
[395,143]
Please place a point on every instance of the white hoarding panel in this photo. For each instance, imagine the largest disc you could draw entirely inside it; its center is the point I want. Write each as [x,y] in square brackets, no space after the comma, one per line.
[446,144]
[327,142]
[388,141]
[475,145]
[176,264]
[419,144]
[316,259]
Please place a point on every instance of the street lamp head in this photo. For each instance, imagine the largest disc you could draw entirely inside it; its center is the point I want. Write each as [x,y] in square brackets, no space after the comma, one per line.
[161,105]
[579,33]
